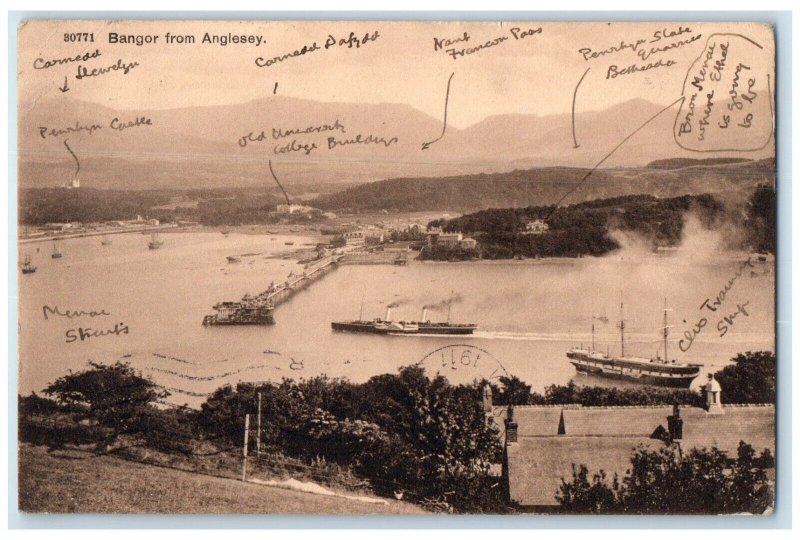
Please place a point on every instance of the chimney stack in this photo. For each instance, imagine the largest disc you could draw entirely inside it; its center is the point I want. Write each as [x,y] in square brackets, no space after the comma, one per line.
[675,425]
[511,427]
[388,313]
[424,314]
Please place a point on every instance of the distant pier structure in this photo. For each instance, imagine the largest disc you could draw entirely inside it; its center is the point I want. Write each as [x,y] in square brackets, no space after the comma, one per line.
[258,309]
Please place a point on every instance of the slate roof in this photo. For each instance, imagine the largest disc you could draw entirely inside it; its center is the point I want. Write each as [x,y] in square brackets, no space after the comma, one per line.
[603,438]
[536,465]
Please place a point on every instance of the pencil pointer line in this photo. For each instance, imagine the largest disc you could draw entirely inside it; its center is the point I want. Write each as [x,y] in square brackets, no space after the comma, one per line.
[611,153]
[574,97]
[428,144]
[73,155]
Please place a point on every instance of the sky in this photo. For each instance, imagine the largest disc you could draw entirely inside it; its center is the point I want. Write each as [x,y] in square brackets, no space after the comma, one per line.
[535,74]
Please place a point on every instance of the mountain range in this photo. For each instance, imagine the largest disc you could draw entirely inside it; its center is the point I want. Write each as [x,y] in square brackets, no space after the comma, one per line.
[202,146]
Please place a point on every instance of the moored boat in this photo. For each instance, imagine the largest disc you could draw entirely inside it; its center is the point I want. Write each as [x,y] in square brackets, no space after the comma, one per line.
[27,265]
[155,241]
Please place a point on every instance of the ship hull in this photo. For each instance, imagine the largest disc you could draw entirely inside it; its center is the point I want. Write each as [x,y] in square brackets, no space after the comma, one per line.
[366,328]
[374,328]
[648,372]
[449,330]
[651,380]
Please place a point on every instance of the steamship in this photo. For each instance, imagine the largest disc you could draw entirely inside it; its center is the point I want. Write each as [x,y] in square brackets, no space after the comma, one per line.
[388,326]
[651,371]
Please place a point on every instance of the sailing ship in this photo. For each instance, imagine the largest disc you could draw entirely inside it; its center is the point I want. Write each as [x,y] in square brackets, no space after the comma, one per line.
[155,242]
[27,266]
[56,254]
[652,371]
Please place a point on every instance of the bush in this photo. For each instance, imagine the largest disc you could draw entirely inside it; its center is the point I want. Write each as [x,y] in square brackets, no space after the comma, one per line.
[601,396]
[115,396]
[428,438]
[662,482]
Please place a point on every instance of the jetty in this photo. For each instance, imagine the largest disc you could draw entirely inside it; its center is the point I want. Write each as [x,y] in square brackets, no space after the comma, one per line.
[259,309]
[282,292]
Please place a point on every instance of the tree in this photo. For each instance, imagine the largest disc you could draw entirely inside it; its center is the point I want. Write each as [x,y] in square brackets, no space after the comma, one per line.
[116,396]
[512,391]
[750,380]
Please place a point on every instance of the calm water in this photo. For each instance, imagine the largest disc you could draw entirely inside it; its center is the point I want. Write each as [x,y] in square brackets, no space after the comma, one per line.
[528,313]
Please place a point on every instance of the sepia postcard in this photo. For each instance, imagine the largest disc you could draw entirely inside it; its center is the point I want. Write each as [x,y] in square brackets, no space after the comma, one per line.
[388,267]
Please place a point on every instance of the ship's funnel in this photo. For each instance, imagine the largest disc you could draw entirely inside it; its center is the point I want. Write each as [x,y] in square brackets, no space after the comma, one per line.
[388,314]
[424,313]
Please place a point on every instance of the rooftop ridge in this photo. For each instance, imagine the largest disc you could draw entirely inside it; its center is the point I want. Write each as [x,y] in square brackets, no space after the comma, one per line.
[573,406]
[747,405]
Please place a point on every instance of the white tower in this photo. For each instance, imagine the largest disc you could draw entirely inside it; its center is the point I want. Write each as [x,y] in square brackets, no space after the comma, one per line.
[713,396]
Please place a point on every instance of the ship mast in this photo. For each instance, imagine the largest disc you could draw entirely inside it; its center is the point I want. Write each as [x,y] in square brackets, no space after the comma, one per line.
[621,327]
[449,306]
[361,311]
[666,331]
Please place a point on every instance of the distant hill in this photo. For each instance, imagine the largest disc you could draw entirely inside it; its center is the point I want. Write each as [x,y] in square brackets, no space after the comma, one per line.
[200,146]
[544,186]
[679,163]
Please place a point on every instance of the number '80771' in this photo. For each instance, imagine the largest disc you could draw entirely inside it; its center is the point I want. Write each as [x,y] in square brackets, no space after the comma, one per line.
[79,37]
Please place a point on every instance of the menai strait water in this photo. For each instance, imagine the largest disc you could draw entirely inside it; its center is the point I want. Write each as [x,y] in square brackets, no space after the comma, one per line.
[528,312]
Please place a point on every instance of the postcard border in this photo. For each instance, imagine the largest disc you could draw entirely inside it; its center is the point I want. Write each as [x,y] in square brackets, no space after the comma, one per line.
[780,519]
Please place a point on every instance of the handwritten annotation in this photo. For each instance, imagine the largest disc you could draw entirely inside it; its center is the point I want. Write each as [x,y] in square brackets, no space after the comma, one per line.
[659,41]
[352,41]
[115,125]
[306,147]
[714,306]
[448,44]
[727,104]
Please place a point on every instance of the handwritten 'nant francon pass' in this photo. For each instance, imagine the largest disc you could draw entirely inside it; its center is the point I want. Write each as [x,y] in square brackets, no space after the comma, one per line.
[463,45]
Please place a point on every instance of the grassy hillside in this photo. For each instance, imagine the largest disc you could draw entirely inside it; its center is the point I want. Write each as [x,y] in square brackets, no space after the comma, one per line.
[71,481]
[545,186]
[583,228]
